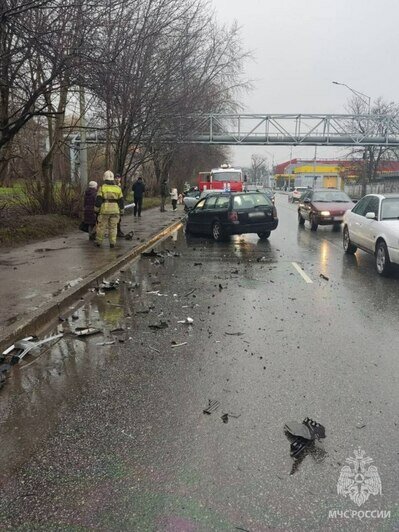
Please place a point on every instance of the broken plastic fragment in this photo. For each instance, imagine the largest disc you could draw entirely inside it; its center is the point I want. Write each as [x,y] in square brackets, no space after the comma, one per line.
[87,332]
[23,347]
[212,407]
[109,285]
[188,321]
[174,344]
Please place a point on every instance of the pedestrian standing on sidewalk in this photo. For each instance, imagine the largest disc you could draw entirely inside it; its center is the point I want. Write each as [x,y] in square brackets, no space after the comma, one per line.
[138,193]
[174,197]
[109,205]
[89,216]
[164,193]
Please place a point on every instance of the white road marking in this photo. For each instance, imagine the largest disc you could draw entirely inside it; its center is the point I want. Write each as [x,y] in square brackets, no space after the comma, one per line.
[305,277]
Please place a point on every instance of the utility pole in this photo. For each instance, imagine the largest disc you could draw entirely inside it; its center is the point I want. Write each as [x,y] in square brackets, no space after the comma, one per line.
[83,144]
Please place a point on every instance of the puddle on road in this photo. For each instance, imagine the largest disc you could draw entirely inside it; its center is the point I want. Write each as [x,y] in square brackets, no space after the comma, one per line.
[41,388]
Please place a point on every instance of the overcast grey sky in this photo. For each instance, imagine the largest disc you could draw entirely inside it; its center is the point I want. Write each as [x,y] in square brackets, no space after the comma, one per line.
[301,46]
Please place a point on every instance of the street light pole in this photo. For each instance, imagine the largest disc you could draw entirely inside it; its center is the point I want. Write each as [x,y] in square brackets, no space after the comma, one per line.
[366,99]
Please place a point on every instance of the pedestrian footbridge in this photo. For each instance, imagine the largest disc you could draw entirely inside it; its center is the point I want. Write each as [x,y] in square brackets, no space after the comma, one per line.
[295,130]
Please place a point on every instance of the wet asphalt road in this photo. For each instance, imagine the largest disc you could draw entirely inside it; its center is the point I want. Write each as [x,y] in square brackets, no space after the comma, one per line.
[113,437]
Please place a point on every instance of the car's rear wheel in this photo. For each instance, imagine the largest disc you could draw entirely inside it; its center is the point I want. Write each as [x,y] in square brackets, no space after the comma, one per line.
[382,260]
[264,236]
[313,222]
[217,232]
[346,241]
[301,220]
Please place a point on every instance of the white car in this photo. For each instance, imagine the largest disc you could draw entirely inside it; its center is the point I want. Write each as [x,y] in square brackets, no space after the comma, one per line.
[296,194]
[373,226]
[191,201]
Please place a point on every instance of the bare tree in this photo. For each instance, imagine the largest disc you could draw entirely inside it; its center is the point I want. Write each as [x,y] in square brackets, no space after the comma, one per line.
[165,61]
[367,160]
[258,167]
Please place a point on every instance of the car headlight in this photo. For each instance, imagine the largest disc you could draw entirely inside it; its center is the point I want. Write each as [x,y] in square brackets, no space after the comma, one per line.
[325,213]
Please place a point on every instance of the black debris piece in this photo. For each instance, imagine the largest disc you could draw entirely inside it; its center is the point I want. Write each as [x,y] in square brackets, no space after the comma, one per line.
[225,418]
[324,277]
[308,429]
[220,287]
[129,236]
[197,263]
[75,316]
[302,435]
[190,292]
[234,334]
[298,430]
[109,285]
[212,407]
[151,253]
[317,431]
[159,326]
[298,446]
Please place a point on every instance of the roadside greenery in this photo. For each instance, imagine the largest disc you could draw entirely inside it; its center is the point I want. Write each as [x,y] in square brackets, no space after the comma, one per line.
[134,76]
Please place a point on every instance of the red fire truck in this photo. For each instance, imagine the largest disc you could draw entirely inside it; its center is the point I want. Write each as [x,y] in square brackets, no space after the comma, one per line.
[223,178]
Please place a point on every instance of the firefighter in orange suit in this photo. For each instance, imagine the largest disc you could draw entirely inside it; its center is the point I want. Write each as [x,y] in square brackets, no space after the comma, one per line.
[109,205]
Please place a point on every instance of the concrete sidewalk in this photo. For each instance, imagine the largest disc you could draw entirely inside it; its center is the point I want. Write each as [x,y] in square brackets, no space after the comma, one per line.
[40,276]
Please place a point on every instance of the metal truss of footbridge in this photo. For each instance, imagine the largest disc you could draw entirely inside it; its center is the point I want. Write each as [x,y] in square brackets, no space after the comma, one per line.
[295,130]
[273,130]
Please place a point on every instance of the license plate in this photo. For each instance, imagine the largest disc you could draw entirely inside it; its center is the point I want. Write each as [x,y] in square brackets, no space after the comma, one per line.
[256,215]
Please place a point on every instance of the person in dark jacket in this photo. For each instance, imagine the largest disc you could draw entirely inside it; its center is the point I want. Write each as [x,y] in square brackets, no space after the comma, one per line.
[138,193]
[89,216]
[164,193]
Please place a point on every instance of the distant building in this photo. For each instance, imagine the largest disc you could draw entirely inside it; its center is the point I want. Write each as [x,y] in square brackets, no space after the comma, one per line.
[323,173]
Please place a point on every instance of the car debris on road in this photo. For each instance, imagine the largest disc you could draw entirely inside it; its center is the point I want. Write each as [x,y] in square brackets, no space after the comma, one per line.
[159,326]
[109,285]
[86,331]
[188,321]
[174,344]
[21,348]
[212,407]
[304,434]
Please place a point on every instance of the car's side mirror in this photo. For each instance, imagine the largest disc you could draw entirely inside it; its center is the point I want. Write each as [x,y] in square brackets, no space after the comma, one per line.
[306,200]
[371,216]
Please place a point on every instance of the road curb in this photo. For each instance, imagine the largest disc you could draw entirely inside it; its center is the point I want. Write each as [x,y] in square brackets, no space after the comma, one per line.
[40,318]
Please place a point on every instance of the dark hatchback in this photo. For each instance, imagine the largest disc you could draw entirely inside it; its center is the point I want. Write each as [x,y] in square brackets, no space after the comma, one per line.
[233,213]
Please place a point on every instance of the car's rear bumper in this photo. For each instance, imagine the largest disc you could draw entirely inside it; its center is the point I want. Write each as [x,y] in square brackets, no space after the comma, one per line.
[240,229]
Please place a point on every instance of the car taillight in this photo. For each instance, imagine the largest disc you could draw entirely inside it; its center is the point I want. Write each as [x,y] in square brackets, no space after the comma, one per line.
[233,216]
[274,212]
